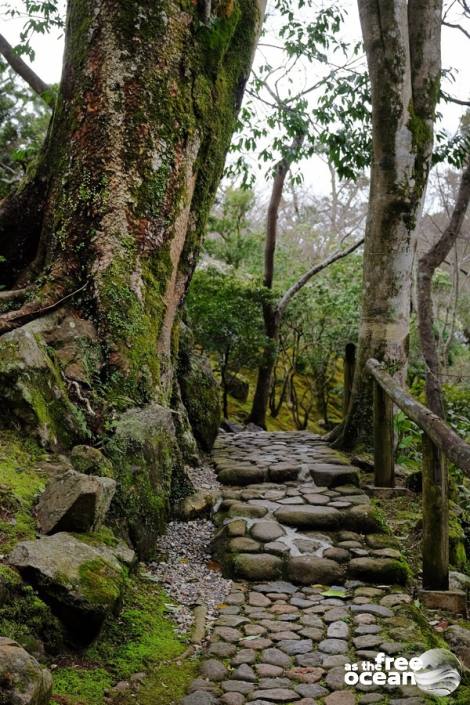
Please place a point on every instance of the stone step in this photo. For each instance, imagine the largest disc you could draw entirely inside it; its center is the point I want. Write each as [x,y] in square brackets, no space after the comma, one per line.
[334,475]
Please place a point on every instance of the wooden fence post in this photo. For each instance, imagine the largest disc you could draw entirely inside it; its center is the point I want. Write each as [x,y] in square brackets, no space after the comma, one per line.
[349,368]
[384,461]
[435,518]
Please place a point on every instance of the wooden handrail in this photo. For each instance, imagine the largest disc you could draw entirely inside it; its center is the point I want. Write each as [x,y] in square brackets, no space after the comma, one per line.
[453,447]
[439,442]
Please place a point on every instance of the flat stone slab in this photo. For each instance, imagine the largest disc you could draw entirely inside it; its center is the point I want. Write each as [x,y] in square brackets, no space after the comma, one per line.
[334,475]
[310,517]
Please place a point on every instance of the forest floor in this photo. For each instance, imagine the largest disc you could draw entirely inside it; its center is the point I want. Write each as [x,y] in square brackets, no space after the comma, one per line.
[311,592]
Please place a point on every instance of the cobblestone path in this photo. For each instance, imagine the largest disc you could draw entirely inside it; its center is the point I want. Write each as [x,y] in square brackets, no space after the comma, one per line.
[317,583]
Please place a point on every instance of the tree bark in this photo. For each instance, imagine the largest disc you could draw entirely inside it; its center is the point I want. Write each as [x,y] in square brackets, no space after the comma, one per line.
[402,42]
[427,265]
[117,204]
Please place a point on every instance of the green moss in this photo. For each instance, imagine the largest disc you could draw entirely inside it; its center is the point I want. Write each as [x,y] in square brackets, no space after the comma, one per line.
[24,617]
[81,685]
[457,553]
[20,483]
[142,640]
[103,535]
[99,583]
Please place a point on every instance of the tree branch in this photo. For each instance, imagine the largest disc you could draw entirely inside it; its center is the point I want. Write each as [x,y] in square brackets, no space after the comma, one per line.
[305,278]
[427,265]
[42,89]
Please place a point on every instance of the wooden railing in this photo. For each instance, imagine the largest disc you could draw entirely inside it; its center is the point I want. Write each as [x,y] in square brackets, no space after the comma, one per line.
[439,444]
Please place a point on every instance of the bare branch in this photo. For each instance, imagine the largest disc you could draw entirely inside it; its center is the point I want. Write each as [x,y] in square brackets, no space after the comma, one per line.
[305,278]
[42,89]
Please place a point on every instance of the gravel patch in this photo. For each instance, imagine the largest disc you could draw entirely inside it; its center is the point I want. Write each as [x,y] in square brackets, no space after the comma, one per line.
[185,571]
[203,477]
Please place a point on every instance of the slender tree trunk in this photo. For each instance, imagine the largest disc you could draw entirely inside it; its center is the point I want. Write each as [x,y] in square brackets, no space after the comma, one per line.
[271,322]
[117,205]
[426,268]
[402,41]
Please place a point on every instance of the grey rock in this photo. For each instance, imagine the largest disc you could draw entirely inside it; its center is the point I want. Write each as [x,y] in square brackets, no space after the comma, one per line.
[234,686]
[275,657]
[378,610]
[308,569]
[244,673]
[221,649]
[23,680]
[277,586]
[200,697]
[266,531]
[333,646]
[232,699]
[276,695]
[214,670]
[378,570]
[244,656]
[334,475]
[75,502]
[293,647]
[257,566]
[338,630]
[308,516]
[84,582]
[311,690]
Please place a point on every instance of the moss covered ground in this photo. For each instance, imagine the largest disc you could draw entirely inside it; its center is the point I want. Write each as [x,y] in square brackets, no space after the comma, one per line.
[141,640]
[239,411]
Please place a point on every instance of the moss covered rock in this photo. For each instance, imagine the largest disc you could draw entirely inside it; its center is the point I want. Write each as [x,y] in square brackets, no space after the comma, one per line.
[148,468]
[33,391]
[22,680]
[81,583]
[184,432]
[75,502]
[91,461]
[26,618]
[200,393]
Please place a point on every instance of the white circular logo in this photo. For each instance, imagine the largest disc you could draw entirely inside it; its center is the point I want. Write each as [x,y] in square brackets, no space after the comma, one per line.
[438,672]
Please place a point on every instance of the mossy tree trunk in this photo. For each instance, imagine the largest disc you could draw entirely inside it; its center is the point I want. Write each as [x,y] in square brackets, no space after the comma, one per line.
[402,41]
[111,218]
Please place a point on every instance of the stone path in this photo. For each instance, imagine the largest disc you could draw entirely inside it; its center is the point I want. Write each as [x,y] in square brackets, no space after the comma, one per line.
[292,521]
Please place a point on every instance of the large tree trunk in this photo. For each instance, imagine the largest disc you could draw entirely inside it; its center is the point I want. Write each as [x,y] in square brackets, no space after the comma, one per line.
[402,41]
[118,202]
[103,237]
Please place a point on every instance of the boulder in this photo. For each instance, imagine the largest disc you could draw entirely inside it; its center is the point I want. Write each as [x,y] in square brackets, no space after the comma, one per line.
[333,475]
[310,570]
[200,392]
[308,516]
[75,502]
[257,566]
[81,583]
[241,474]
[237,387]
[91,461]
[22,680]
[34,395]
[196,505]
[363,519]
[383,571]
[459,640]
[148,469]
